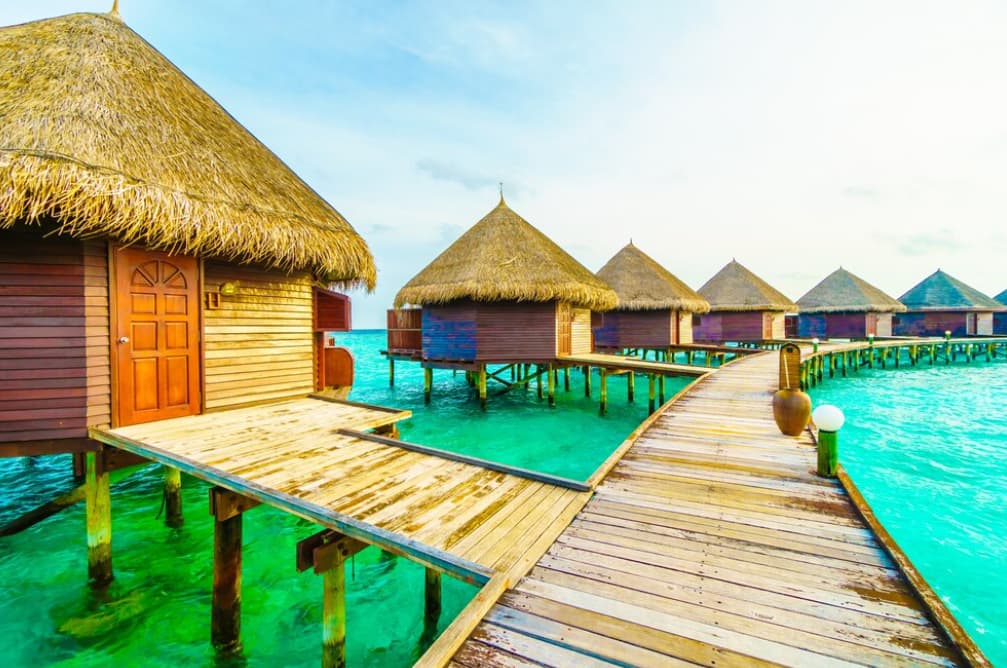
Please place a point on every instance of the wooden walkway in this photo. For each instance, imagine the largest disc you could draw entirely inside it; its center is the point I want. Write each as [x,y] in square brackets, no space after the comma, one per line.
[626,363]
[311,457]
[712,542]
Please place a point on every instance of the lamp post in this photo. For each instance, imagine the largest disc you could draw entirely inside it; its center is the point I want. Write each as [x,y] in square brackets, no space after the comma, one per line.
[814,344]
[829,420]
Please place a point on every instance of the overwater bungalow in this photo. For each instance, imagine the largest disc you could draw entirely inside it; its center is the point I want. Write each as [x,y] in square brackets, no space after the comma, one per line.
[156,259]
[941,303]
[743,308]
[502,293]
[655,308]
[846,306]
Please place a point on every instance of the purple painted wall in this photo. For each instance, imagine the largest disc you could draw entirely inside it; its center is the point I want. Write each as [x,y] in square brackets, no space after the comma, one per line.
[728,326]
[632,329]
[930,323]
[489,332]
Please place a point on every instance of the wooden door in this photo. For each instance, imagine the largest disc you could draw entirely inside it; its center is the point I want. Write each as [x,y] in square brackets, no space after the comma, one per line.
[156,342]
[564,329]
[971,322]
[767,326]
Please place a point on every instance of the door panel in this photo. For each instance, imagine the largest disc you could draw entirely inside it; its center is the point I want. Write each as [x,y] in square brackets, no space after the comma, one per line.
[156,345]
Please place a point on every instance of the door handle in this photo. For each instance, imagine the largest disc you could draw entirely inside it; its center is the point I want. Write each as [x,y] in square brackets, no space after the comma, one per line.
[123,339]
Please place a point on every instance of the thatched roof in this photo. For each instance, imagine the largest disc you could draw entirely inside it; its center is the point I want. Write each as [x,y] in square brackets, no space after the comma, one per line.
[644,285]
[942,292]
[101,133]
[735,288]
[504,258]
[842,291]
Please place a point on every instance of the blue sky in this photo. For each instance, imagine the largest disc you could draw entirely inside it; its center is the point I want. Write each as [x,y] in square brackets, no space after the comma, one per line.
[794,136]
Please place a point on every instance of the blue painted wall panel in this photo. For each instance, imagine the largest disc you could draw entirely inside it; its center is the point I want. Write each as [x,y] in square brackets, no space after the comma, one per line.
[809,326]
[448,334]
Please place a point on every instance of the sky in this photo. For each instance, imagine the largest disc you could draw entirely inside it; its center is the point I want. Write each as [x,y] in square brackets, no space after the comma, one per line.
[794,136]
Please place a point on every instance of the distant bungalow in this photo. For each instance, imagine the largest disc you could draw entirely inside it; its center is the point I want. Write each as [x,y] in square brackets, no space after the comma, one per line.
[846,306]
[941,303]
[655,308]
[503,292]
[743,308]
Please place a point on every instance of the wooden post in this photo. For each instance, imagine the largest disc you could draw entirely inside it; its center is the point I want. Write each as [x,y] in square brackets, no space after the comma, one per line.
[660,385]
[604,392]
[630,386]
[482,386]
[828,453]
[538,380]
[552,385]
[327,552]
[172,497]
[566,378]
[431,603]
[98,511]
[428,383]
[391,372]
[225,621]
[587,381]
[650,390]
[227,509]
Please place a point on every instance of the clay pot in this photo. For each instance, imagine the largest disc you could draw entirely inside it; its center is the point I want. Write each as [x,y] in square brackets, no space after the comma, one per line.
[792,410]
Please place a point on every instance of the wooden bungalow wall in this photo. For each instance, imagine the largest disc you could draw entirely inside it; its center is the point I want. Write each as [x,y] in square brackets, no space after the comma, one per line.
[684,327]
[54,338]
[844,325]
[738,326]
[496,331]
[581,337]
[258,345]
[1000,323]
[935,323]
[631,329]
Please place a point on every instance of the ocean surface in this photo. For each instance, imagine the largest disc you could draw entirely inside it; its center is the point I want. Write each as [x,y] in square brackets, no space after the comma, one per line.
[927,446]
[157,611]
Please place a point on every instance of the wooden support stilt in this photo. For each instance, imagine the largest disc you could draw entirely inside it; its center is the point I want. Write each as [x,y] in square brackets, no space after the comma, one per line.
[630,386]
[538,380]
[391,373]
[327,552]
[225,615]
[650,391]
[660,385]
[431,603]
[566,378]
[98,511]
[482,386]
[172,497]
[428,384]
[587,381]
[551,373]
[603,387]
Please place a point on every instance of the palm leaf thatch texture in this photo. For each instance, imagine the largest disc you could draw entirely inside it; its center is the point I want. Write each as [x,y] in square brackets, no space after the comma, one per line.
[504,258]
[103,135]
[844,292]
[735,288]
[942,292]
[644,285]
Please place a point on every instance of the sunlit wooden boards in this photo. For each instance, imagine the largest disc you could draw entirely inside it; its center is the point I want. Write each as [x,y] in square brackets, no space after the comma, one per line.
[293,455]
[633,364]
[712,542]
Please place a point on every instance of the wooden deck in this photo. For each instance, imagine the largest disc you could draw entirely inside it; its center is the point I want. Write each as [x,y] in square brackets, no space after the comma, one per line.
[713,542]
[310,457]
[627,363]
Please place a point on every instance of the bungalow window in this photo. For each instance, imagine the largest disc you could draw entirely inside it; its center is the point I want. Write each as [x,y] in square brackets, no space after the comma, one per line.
[697,320]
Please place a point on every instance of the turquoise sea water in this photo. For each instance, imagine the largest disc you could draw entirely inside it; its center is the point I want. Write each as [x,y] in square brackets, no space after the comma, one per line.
[157,610]
[928,448]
